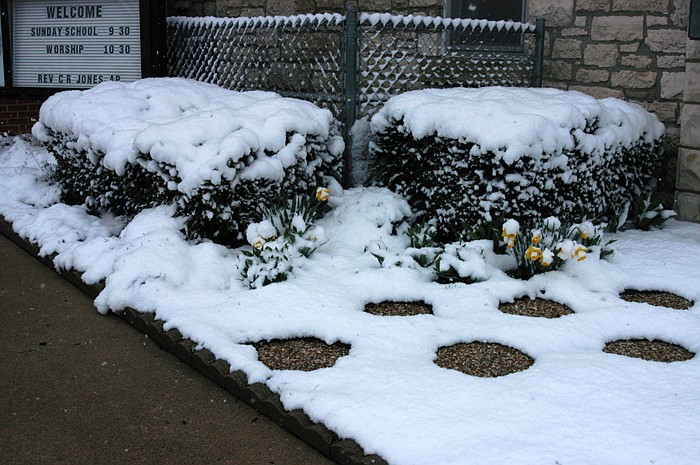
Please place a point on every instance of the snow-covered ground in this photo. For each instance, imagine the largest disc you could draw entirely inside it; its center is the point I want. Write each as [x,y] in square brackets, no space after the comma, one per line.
[575,405]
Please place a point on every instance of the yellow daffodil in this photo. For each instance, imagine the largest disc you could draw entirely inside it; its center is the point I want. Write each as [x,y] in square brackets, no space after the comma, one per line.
[259,244]
[536,236]
[547,257]
[579,252]
[322,193]
[510,230]
[533,253]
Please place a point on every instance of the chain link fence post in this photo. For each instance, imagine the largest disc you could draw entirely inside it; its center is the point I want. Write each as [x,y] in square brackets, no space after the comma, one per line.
[350,91]
[539,52]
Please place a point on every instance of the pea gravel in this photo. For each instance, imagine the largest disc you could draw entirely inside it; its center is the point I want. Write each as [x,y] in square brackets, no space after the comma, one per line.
[302,354]
[652,350]
[535,307]
[657,298]
[483,359]
[391,308]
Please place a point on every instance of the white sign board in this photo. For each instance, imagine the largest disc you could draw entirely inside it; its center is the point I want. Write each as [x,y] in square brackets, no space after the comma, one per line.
[75,43]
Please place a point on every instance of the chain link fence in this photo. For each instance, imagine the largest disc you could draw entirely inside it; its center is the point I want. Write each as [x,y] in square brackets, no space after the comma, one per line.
[353,63]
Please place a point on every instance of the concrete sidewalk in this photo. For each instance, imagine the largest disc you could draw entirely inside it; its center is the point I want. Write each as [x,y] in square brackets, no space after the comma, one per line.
[81,388]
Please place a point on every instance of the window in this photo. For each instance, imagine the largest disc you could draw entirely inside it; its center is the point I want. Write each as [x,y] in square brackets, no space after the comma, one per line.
[493,10]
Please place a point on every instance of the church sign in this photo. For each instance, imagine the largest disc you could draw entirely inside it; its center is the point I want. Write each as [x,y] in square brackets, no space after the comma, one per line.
[76,44]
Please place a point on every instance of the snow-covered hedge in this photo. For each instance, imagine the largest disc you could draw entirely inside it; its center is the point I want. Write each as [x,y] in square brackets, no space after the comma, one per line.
[216,153]
[466,157]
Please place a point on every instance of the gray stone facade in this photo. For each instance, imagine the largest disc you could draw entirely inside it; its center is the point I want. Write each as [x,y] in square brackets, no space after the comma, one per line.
[637,50]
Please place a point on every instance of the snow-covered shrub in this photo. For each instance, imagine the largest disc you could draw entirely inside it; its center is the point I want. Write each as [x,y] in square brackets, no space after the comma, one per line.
[285,236]
[217,154]
[548,244]
[464,158]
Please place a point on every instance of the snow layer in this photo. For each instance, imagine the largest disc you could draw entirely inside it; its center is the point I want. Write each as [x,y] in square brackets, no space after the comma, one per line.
[200,129]
[575,405]
[528,121]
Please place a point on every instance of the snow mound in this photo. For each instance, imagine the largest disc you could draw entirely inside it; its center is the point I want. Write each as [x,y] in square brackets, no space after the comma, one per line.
[514,122]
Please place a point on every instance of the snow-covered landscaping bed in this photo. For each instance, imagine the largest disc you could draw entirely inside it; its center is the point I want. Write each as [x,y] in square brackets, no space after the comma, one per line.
[394,393]
[466,157]
[215,153]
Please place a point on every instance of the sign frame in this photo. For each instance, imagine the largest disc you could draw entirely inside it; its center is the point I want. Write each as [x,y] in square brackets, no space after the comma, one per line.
[153,48]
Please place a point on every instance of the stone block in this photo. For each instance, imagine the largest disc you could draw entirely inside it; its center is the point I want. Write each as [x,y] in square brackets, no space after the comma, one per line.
[670,61]
[657,20]
[618,28]
[690,125]
[379,6]
[633,79]
[672,85]
[559,70]
[574,32]
[666,111]
[580,21]
[557,13]
[629,48]
[666,40]
[689,170]
[692,49]
[600,55]
[688,206]
[566,48]
[599,91]
[584,75]
[555,84]
[635,61]
[593,5]
[281,7]
[651,6]
[692,86]
[680,10]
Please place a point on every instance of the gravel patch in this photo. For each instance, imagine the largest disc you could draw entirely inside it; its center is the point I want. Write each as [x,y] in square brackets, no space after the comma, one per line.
[302,354]
[657,298]
[483,359]
[537,308]
[391,308]
[652,350]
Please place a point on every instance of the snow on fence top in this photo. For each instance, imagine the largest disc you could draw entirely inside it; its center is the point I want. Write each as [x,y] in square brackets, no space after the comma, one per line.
[387,19]
[333,19]
[513,122]
[200,129]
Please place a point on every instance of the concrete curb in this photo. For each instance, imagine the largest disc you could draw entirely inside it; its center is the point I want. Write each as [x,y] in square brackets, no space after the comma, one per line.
[257,395]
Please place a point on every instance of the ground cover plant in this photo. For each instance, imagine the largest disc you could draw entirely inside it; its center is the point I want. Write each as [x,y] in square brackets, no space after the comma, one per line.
[385,387]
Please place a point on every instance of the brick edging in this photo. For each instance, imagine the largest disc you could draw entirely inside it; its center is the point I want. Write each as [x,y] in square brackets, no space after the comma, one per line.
[257,395]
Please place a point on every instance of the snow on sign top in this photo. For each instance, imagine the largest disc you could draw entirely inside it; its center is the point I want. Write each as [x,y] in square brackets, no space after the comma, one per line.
[193,126]
[514,122]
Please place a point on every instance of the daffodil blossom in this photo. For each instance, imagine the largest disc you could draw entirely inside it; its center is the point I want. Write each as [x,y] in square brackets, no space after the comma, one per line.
[258,244]
[552,223]
[533,253]
[547,257]
[536,236]
[322,193]
[510,230]
[579,252]
[566,249]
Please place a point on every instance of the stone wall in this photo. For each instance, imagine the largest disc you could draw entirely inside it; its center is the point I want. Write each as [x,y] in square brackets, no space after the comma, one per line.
[290,7]
[688,179]
[629,49]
